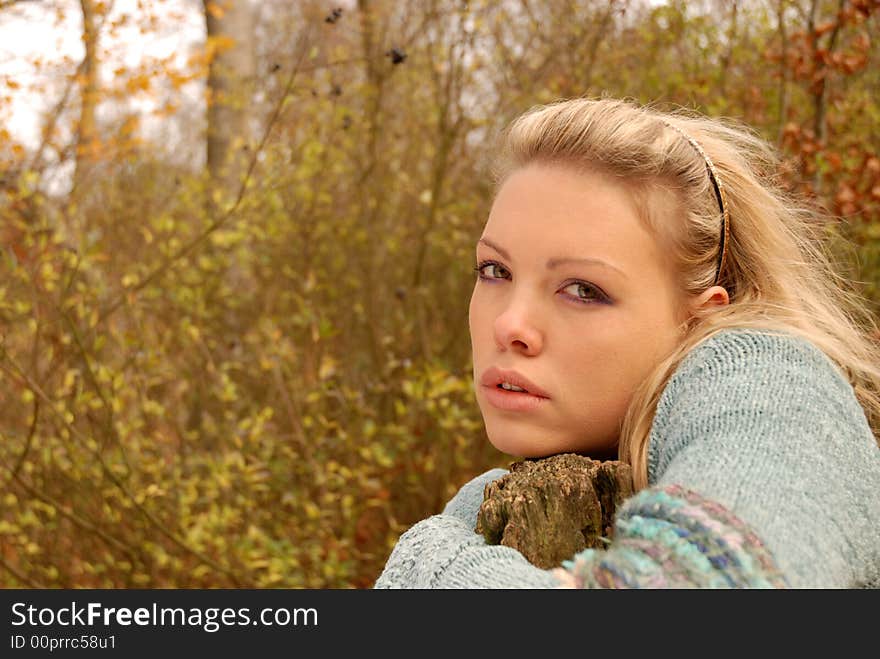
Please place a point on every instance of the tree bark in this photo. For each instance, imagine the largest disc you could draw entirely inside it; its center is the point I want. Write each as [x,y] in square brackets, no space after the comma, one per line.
[821,82]
[728,54]
[230,32]
[87,133]
[551,508]
[782,111]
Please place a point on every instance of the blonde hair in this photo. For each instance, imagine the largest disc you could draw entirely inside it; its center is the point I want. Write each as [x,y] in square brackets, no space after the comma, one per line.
[779,271]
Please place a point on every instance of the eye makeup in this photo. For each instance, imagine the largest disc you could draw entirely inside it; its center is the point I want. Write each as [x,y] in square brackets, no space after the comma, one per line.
[500,273]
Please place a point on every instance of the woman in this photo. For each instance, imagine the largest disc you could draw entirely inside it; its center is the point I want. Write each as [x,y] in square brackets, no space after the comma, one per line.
[646,292]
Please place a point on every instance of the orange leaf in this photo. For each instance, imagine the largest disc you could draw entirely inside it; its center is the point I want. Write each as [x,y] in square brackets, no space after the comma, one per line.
[848,209]
[215,10]
[853,63]
[824,28]
[138,83]
[218,43]
[845,195]
[834,161]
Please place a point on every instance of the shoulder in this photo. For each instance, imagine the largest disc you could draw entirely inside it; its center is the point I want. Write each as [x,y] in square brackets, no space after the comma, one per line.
[748,380]
[747,352]
[752,371]
[766,424]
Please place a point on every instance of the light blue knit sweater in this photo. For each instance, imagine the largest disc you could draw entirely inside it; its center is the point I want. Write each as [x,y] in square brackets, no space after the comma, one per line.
[762,472]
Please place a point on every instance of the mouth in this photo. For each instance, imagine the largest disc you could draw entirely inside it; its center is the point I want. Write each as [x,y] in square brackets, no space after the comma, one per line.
[511,391]
[511,381]
[507,400]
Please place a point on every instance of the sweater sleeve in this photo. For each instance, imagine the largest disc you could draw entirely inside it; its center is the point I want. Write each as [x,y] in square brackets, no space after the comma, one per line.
[766,425]
[664,538]
[763,472]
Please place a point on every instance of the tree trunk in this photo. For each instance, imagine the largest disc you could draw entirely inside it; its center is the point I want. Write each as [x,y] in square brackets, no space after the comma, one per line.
[552,508]
[821,83]
[232,68]
[86,135]
[782,111]
[728,54]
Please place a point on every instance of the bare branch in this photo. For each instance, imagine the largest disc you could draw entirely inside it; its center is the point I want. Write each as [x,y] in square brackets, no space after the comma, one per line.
[6,4]
[193,244]
[16,373]
[15,573]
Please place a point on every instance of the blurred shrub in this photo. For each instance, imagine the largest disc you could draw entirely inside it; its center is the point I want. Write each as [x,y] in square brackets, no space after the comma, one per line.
[204,388]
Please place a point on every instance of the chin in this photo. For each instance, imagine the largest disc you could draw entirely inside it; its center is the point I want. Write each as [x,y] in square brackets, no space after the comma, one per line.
[522,444]
[523,448]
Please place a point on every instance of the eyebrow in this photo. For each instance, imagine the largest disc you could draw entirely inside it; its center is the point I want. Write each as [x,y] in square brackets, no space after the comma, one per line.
[555,263]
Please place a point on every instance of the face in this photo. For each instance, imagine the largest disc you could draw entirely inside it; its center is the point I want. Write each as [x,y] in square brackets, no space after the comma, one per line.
[574,303]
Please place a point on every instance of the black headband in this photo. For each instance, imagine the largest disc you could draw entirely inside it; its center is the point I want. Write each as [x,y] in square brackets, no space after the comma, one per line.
[719,196]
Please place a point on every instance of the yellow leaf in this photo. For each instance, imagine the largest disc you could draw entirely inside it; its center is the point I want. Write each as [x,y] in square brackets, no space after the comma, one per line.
[328,367]
[200,571]
[69,379]
[138,83]
[218,43]
[7,528]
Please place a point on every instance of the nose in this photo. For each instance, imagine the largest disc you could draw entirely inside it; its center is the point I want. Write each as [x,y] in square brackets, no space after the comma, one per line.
[516,330]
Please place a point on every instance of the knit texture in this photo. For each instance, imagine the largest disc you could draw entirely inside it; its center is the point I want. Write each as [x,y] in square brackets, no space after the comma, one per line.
[762,471]
[673,538]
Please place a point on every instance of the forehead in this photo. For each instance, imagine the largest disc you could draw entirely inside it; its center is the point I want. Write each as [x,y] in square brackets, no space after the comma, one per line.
[553,211]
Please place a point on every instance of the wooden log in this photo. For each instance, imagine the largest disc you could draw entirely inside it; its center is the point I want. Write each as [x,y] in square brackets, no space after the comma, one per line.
[551,508]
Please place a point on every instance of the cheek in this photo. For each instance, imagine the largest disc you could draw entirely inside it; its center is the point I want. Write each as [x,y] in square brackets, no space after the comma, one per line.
[471,318]
[657,336]
[600,371]
[477,318]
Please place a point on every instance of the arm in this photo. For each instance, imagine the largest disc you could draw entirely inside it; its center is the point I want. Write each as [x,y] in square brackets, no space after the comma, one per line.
[426,552]
[664,537]
[769,428]
[763,472]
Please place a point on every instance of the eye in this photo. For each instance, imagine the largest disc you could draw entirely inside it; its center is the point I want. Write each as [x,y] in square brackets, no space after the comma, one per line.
[584,293]
[489,270]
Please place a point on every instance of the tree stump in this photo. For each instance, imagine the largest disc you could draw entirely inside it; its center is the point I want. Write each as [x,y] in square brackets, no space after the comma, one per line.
[551,508]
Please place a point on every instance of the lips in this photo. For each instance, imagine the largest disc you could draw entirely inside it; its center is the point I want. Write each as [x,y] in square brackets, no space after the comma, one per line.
[493,377]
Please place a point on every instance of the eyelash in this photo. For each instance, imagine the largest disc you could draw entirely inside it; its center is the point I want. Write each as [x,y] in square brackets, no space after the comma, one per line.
[601,297]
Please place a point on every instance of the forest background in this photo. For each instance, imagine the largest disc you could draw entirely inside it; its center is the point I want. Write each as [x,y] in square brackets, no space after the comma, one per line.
[234,279]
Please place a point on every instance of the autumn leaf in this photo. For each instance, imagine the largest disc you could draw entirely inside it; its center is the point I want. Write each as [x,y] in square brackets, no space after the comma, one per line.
[824,28]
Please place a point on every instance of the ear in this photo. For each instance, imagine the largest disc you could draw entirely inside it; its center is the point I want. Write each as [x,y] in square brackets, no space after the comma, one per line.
[713,296]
